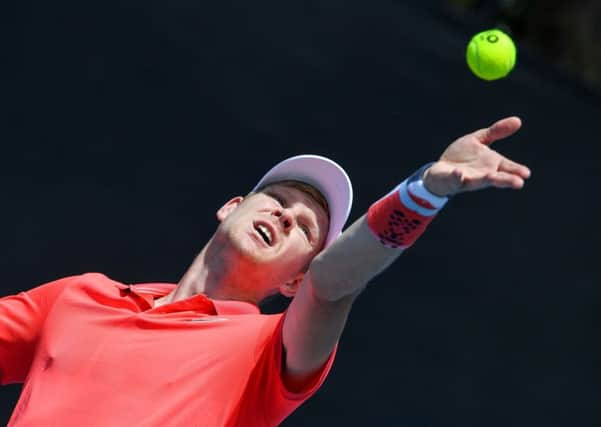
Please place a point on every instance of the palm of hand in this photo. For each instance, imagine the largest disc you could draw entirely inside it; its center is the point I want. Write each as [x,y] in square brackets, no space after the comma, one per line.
[469,164]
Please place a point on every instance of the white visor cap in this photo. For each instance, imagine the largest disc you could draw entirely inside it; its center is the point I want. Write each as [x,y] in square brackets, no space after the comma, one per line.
[325,175]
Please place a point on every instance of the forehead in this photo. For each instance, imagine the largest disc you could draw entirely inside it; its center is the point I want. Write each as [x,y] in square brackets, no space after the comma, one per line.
[303,193]
[309,193]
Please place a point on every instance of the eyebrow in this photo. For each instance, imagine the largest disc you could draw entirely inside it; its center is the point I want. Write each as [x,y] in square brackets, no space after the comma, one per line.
[307,196]
[307,189]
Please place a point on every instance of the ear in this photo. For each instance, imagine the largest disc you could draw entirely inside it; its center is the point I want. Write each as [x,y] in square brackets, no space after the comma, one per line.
[228,207]
[289,288]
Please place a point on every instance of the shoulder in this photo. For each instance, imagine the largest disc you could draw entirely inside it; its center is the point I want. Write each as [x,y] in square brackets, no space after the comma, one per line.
[80,282]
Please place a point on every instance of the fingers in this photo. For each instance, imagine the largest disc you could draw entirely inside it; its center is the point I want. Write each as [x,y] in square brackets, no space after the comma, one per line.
[505,180]
[470,180]
[498,130]
[514,168]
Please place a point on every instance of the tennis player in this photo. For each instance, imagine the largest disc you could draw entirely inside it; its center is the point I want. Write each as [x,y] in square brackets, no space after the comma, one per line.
[92,351]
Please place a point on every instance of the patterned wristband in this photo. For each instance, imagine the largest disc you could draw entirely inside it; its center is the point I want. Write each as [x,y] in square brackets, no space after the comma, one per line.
[400,217]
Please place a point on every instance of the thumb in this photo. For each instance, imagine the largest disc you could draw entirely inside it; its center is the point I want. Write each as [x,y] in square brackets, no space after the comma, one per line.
[498,130]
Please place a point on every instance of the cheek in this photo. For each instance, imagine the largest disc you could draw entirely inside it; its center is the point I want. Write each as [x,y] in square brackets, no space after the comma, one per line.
[301,255]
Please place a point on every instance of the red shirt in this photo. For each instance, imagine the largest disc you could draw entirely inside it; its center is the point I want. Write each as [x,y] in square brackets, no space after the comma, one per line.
[94,352]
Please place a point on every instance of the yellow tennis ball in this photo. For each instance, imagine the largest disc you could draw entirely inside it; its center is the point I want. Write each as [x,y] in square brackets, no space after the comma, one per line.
[491,54]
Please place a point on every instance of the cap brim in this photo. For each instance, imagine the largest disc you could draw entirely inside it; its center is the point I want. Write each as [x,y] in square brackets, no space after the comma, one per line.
[325,175]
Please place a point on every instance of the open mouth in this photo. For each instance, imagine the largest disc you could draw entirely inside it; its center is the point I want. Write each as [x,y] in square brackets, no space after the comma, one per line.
[265,233]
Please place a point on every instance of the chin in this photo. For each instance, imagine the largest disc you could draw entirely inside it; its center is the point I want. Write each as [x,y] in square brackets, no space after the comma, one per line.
[248,249]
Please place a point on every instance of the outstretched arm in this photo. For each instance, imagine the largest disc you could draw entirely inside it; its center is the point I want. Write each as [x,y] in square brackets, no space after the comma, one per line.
[318,313]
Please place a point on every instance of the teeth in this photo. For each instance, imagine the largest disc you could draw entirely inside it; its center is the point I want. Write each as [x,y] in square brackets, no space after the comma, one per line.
[265,231]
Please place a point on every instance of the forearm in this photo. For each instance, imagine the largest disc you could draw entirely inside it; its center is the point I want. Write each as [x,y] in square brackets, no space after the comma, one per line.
[318,313]
[374,241]
[347,265]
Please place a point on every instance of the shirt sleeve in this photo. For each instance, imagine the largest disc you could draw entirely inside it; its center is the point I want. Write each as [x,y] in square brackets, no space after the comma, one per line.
[21,319]
[267,393]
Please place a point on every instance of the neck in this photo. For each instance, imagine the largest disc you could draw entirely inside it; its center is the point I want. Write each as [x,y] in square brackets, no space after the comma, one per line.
[214,273]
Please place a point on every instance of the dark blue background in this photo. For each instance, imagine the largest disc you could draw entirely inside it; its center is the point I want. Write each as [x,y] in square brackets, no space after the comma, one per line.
[126,125]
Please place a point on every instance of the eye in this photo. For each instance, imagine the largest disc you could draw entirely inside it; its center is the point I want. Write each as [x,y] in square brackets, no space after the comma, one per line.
[278,199]
[306,230]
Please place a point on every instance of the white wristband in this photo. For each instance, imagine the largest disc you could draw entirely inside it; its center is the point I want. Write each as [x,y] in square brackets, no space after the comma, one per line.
[418,189]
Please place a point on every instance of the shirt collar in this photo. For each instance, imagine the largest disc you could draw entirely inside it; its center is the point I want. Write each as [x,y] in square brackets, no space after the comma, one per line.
[198,302]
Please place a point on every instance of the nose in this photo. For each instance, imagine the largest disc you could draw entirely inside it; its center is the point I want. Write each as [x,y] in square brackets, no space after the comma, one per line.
[284,218]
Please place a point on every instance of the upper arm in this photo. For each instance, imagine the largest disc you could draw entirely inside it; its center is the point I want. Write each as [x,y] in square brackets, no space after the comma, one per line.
[21,319]
[311,330]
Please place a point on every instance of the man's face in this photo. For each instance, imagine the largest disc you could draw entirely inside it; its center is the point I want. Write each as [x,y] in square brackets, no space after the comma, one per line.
[278,231]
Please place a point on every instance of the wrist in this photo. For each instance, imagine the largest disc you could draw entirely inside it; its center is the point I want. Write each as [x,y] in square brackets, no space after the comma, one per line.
[400,217]
[431,185]
[420,189]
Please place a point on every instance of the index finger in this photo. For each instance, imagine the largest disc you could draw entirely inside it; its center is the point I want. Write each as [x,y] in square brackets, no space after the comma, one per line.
[498,130]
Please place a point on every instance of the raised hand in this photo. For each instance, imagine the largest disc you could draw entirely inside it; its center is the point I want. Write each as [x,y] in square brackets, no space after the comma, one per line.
[470,164]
